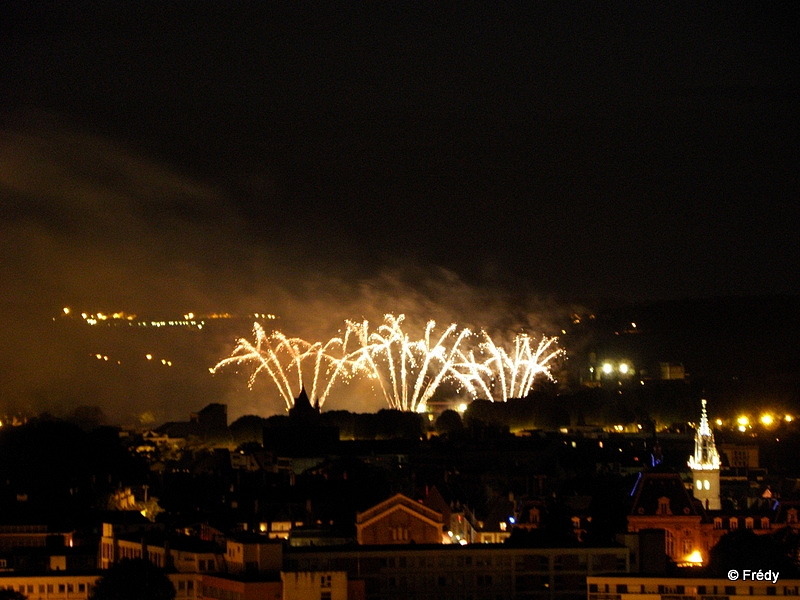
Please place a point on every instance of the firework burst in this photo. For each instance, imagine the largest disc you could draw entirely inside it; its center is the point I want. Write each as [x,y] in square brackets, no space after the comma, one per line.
[407,370]
[497,374]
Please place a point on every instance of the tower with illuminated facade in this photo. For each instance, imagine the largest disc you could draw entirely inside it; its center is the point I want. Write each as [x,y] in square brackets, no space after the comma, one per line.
[705,465]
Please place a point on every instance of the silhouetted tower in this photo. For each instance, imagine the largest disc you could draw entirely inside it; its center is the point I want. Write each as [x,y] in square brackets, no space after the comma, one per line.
[705,465]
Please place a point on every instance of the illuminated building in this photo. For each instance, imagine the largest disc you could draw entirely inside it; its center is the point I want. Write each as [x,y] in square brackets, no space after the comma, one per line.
[705,465]
[399,520]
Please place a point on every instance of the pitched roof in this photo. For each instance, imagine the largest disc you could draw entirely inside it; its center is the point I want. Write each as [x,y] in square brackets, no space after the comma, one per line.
[658,483]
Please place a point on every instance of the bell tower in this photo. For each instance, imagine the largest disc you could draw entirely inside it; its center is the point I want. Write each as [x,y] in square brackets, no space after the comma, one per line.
[705,465]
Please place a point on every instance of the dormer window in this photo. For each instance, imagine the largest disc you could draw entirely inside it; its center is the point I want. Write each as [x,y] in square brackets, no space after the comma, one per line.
[663,506]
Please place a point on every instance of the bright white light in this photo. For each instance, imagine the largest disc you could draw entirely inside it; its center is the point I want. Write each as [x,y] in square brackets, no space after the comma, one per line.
[695,558]
[608,368]
[623,368]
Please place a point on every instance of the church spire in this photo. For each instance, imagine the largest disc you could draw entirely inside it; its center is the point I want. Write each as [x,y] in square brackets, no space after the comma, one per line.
[705,464]
[705,455]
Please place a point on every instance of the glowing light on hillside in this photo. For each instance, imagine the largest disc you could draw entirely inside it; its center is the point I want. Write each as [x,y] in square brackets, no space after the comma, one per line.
[767,420]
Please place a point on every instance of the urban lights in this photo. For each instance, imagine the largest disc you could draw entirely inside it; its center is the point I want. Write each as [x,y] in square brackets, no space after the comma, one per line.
[621,368]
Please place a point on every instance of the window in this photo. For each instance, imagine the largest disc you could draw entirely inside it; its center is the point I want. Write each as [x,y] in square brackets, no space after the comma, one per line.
[663,506]
[325,581]
[669,543]
[399,534]
[733,524]
[748,523]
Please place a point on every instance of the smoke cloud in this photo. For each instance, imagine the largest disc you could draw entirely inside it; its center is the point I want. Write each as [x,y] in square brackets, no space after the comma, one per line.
[94,225]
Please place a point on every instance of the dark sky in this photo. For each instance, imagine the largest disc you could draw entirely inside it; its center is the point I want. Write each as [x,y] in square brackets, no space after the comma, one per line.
[331,159]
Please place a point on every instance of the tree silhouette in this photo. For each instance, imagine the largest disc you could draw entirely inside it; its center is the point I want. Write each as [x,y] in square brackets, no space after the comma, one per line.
[11,595]
[134,579]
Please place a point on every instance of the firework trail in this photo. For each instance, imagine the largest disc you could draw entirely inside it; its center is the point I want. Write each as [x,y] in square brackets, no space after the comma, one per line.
[499,375]
[408,371]
[283,358]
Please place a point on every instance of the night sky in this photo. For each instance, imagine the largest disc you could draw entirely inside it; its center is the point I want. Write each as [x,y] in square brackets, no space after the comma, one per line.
[329,161]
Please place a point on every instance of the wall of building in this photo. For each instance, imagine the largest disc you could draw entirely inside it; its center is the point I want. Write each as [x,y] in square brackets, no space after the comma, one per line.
[473,571]
[322,585]
[605,587]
